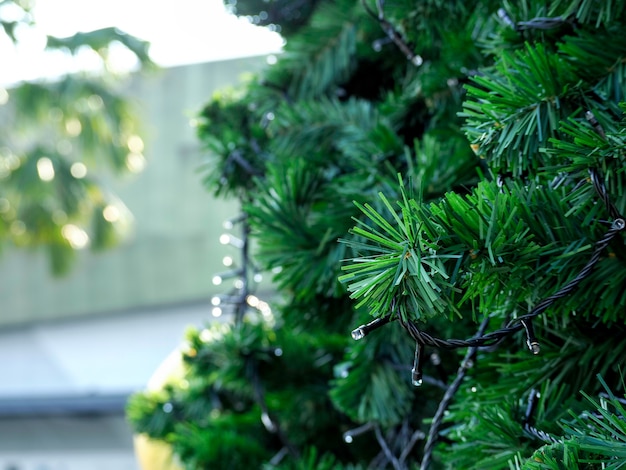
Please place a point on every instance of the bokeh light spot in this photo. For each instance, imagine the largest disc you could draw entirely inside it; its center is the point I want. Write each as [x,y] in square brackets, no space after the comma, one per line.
[45,169]
[78,170]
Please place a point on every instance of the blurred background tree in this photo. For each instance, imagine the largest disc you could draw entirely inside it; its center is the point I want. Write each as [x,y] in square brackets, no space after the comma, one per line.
[58,133]
[453,169]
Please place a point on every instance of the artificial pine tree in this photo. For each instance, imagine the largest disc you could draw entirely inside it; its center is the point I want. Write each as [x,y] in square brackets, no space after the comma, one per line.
[450,176]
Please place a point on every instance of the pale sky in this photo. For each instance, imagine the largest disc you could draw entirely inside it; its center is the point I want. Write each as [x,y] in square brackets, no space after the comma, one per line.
[181,32]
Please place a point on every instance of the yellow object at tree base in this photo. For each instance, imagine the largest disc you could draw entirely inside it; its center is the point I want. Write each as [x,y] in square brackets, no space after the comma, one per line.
[154,454]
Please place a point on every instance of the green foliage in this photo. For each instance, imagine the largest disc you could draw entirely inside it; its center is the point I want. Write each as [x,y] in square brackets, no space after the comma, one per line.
[599,436]
[99,40]
[329,46]
[293,213]
[367,388]
[13,14]
[147,413]
[227,372]
[56,135]
[283,16]
[96,119]
[518,107]
[238,437]
[313,461]
[436,258]
[594,438]
[402,268]
[231,131]
[585,148]
[497,440]
[553,457]
[353,128]
[597,14]
[439,194]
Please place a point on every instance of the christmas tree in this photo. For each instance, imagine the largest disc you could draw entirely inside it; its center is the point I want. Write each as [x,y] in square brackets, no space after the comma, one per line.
[438,188]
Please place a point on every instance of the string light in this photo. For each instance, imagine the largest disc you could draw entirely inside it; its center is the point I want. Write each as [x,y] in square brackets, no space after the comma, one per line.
[268,423]
[228,239]
[416,372]
[524,321]
[494,338]
[531,341]
[241,302]
[349,436]
[252,300]
[539,22]
[279,456]
[358,333]
[596,125]
[504,16]
[229,224]
[392,34]
[363,330]
[220,277]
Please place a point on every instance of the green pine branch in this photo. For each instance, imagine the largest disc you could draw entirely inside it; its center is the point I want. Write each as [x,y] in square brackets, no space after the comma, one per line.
[515,109]
[322,56]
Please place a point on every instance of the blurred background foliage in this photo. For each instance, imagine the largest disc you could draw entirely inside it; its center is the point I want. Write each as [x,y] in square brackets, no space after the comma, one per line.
[60,136]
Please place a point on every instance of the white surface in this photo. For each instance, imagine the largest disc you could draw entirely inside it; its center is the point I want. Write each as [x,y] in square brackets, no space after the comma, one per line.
[182,32]
[114,354]
[104,460]
[66,443]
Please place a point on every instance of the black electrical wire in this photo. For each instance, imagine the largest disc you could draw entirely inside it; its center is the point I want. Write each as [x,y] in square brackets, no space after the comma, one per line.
[528,421]
[392,34]
[539,22]
[521,322]
[493,338]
